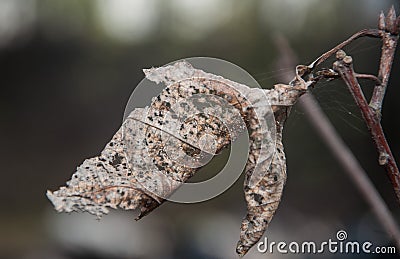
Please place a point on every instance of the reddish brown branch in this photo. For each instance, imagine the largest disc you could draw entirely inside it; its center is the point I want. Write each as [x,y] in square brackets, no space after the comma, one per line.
[369,77]
[344,66]
[374,33]
[389,33]
[339,149]
[389,27]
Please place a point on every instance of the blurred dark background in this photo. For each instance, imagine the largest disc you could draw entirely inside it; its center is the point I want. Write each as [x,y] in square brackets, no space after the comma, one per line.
[69,67]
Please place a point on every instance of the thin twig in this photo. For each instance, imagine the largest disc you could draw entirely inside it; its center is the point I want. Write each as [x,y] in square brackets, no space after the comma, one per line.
[342,153]
[369,77]
[374,33]
[344,66]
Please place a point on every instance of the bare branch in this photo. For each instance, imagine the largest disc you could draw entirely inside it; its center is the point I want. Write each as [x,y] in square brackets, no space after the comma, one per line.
[374,33]
[390,38]
[339,149]
[369,77]
[344,66]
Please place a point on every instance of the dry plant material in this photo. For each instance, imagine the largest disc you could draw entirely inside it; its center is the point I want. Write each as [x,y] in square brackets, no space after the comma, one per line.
[389,26]
[136,170]
[127,173]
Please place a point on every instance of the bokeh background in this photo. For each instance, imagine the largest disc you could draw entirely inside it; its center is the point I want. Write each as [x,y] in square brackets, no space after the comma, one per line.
[67,69]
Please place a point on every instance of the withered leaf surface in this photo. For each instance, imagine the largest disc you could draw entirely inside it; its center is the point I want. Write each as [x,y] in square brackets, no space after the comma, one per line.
[161,146]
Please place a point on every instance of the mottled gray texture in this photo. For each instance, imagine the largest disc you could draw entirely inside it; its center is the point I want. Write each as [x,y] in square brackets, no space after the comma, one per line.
[161,146]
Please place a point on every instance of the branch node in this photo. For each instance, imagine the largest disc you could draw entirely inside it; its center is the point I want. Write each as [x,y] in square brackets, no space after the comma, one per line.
[376,111]
[340,54]
[390,22]
[383,158]
[348,60]
[381,23]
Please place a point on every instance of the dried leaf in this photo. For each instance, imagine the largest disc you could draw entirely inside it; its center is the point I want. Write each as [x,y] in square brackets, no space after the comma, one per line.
[161,146]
